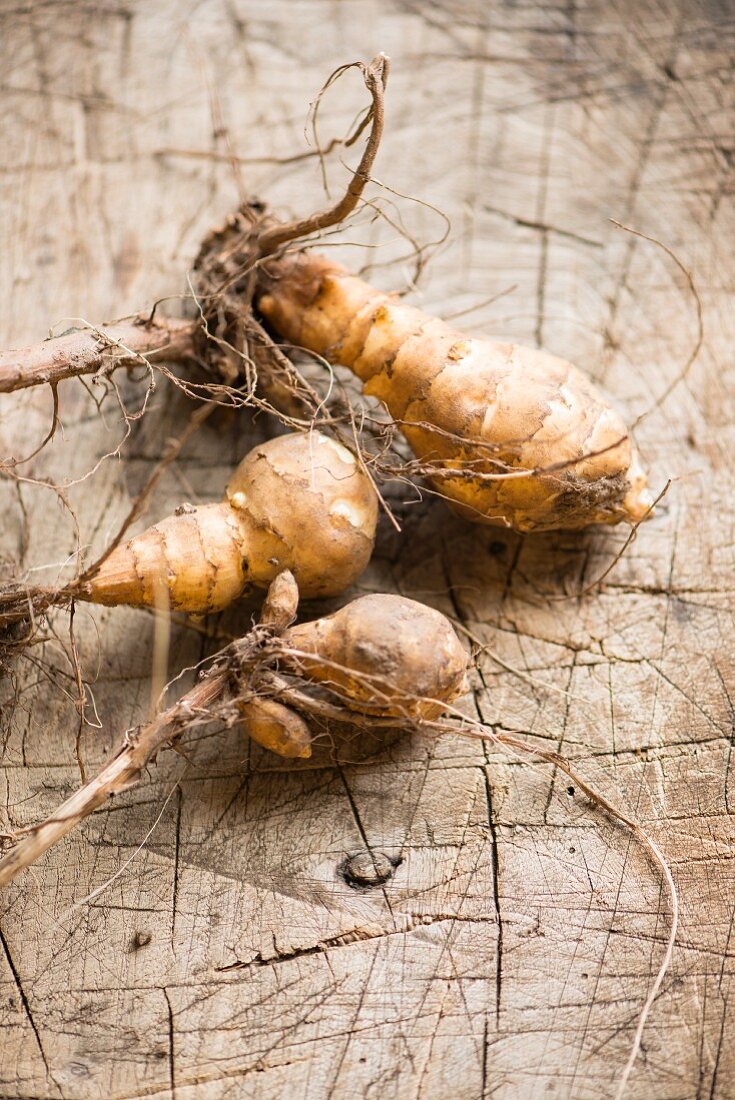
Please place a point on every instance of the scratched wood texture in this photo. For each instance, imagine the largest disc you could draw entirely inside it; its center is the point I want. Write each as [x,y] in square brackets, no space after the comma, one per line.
[508,955]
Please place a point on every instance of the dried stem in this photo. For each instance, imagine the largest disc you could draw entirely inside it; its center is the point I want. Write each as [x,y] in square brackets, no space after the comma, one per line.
[276,236]
[121,773]
[89,350]
[140,746]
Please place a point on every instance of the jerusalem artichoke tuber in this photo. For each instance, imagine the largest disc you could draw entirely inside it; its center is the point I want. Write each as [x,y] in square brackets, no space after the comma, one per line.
[383,655]
[297,502]
[512,436]
[276,727]
[374,657]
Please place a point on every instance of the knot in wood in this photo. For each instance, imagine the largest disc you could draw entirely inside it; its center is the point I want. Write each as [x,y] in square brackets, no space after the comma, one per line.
[368,868]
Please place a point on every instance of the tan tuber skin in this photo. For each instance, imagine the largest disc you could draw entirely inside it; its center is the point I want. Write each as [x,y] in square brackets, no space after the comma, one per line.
[382,655]
[276,727]
[551,451]
[297,502]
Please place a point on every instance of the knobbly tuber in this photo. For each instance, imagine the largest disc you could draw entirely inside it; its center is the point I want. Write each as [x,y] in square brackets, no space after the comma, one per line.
[297,502]
[366,665]
[276,727]
[383,655]
[512,436]
[508,435]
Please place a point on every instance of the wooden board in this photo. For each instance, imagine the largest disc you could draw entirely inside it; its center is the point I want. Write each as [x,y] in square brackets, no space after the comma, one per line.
[199,938]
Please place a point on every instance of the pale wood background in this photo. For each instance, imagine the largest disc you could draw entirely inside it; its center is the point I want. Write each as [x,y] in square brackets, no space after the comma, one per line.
[510,953]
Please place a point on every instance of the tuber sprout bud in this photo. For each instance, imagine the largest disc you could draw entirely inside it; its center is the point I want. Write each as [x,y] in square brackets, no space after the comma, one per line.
[276,727]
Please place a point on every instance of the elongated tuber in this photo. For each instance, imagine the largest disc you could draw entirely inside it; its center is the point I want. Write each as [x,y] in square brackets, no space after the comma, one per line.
[516,437]
[297,502]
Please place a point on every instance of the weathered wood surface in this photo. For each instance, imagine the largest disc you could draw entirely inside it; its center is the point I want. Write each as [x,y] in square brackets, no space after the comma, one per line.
[509,954]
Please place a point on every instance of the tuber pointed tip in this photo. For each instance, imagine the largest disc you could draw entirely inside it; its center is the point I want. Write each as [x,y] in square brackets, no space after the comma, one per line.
[289,750]
[639,500]
[638,504]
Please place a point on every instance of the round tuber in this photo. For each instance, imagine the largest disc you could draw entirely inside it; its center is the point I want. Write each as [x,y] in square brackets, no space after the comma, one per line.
[383,655]
[299,502]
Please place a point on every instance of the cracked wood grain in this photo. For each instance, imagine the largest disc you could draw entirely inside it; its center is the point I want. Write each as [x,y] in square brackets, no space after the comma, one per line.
[513,946]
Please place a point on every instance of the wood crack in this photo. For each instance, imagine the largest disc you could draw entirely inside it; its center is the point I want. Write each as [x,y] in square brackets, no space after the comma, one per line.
[351,939]
[25,1002]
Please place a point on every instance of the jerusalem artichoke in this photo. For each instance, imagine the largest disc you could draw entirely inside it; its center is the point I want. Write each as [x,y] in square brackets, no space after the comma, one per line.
[358,654]
[276,727]
[512,436]
[383,655]
[297,502]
